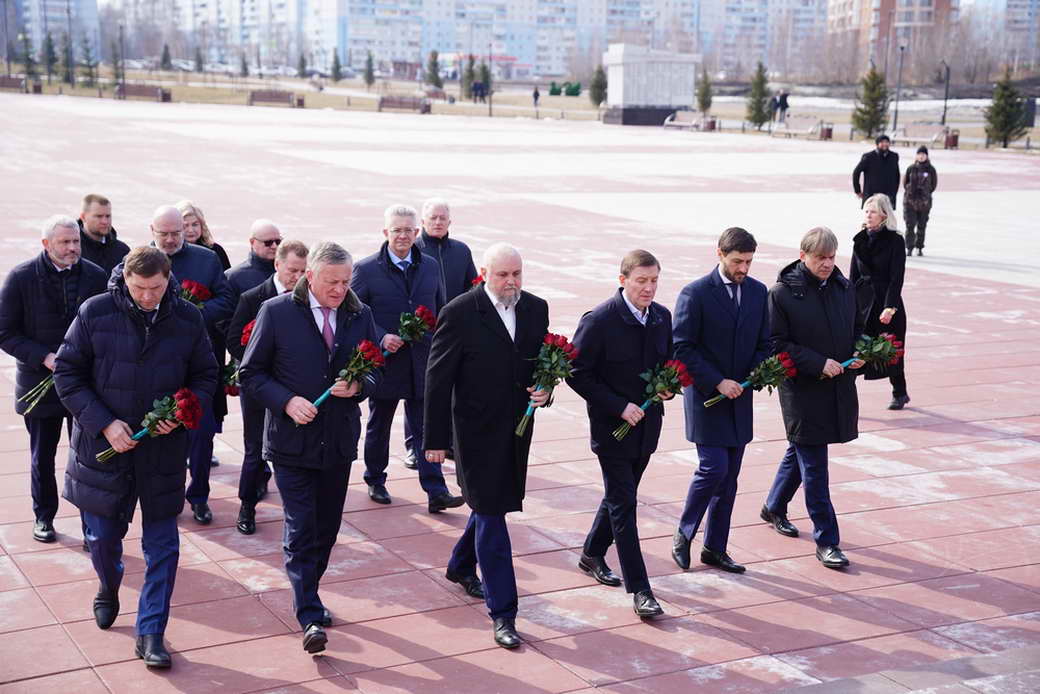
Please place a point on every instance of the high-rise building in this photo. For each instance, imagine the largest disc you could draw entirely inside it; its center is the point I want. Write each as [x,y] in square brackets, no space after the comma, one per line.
[79,18]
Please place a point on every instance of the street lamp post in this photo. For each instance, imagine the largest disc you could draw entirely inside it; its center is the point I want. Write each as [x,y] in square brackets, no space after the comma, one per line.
[7,44]
[487,86]
[68,45]
[946,92]
[122,60]
[899,87]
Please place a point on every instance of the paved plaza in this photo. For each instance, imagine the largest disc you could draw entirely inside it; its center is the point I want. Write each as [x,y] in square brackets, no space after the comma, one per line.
[939,504]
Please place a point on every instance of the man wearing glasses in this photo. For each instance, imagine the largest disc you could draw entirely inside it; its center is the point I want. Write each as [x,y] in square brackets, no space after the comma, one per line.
[264,238]
[191,261]
[397,279]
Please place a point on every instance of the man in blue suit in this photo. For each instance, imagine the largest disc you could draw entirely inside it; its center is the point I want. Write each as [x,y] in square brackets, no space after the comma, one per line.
[721,333]
[617,341]
[397,279]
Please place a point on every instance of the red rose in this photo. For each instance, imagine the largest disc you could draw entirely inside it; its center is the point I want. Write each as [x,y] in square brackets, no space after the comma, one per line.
[574,354]
[247,332]
[791,373]
[783,356]
[477,280]
[561,341]
[787,363]
[549,339]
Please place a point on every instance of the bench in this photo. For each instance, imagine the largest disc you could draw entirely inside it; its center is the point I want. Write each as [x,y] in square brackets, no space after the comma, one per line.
[684,120]
[922,133]
[143,90]
[12,83]
[274,96]
[793,126]
[410,103]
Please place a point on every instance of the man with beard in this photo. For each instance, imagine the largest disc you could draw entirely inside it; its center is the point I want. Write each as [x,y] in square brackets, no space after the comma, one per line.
[97,237]
[39,300]
[289,266]
[721,333]
[813,317]
[880,171]
[481,363]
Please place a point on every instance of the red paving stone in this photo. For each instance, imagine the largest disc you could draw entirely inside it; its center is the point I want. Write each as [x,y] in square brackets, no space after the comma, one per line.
[939,505]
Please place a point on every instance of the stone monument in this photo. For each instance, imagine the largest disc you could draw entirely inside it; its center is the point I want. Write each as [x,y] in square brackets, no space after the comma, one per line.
[645,86]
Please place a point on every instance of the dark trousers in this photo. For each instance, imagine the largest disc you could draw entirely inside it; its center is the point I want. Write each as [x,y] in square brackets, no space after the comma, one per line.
[615,520]
[44,435]
[712,491]
[808,464]
[897,377]
[312,501]
[200,453]
[377,444]
[485,541]
[255,473]
[161,545]
[916,221]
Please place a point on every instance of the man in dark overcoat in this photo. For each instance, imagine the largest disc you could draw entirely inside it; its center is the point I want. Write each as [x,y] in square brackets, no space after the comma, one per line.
[479,376]
[38,302]
[264,240]
[721,334]
[289,266]
[618,341]
[879,169]
[813,317]
[299,344]
[98,238]
[194,262]
[136,343]
[397,279]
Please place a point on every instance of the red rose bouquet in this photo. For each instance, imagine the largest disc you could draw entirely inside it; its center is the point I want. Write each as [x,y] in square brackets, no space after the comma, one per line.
[195,293]
[669,377]
[365,359]
[552,365]
[247,332]
[769,374]
[414,326]
[232,386]
[477,280]
[880,352]
[182,407]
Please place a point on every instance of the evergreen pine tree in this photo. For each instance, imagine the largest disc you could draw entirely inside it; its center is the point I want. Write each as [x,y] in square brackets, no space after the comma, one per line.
[598,86]
[337,68]
[50,56]
[88,61]
[27,57]
[199,66]
[871,113]
[704,92]
[370,71]
[469,76]
[485,77]
[433,71]
[166,62]
[244,70]
[301,66]
[1005,117]
[68,60]
[757,100]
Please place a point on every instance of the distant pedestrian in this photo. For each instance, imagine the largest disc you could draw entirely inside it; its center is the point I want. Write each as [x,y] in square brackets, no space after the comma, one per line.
[919,183]
[536,95]
[880,170]
[782,106]
[773,106]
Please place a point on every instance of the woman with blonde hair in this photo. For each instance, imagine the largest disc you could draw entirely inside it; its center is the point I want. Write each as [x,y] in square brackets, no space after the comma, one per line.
[197,231]
[878,265]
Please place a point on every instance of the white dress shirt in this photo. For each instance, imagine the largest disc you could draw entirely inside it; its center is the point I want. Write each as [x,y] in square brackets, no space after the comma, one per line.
[319,316]
[731,286]
[507,314]
[641,316]
[280,288]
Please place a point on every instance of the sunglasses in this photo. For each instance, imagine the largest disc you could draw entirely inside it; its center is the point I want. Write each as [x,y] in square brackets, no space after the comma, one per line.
[270,242]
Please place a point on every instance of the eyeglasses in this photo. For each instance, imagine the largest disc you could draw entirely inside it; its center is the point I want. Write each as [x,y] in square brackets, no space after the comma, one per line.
[270,242]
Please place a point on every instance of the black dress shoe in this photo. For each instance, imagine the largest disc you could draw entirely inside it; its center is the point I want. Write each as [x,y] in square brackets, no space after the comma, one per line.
[444,501]
[43,531]
[202,514]
[909,252]
[681,549]
[505,633]
[598,569]
[326,617]
[471,584]
[409,461]
[246,523]
[899,402]
[832,557]
[106,609]
[150,648]
[721,560]
[920,252]
[314,638]
[645,605]
[378,494]
[779,522]
[213,462]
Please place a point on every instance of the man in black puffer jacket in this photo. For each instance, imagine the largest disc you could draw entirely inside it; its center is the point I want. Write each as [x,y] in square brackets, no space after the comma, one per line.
[39,299]
[135,344]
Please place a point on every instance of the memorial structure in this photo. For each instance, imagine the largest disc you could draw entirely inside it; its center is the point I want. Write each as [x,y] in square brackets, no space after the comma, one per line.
[645,86]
